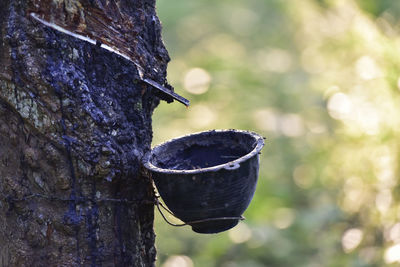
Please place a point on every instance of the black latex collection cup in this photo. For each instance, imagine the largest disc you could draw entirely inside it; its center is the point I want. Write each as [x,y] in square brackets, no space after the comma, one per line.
[207,179]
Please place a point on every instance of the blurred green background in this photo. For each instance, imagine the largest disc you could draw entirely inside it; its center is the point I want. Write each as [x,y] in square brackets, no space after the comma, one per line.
[320,80]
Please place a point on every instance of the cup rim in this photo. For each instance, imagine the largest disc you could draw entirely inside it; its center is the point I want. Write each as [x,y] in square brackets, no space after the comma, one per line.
[231,165]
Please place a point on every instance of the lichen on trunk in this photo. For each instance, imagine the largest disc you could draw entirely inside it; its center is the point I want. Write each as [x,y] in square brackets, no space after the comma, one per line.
[75,120]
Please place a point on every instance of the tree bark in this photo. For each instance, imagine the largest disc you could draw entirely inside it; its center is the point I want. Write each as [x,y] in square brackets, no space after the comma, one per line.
[75,120]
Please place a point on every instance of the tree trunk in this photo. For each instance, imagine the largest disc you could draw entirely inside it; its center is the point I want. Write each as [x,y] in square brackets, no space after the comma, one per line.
[75,120]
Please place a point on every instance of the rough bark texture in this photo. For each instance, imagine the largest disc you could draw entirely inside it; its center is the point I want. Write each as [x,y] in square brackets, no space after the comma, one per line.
[75,121]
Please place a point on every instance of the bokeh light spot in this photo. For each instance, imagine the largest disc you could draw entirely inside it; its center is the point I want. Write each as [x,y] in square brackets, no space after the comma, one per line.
[201,116]
[392,254]
[354,194]
[351,239]
[292,125]
[266,119]
[394,233]
[197,81]
[339,106]
[178,261]
[383,200]
[367,69]
[240,234]
[283,218]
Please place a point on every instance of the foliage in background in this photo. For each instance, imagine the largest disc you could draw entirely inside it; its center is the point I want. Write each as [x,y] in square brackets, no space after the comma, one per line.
[320,80]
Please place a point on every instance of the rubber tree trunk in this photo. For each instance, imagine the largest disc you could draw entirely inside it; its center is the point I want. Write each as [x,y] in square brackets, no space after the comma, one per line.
[75,120]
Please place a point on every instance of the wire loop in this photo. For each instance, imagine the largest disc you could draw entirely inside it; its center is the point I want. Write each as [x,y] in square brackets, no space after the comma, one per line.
[160,205]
